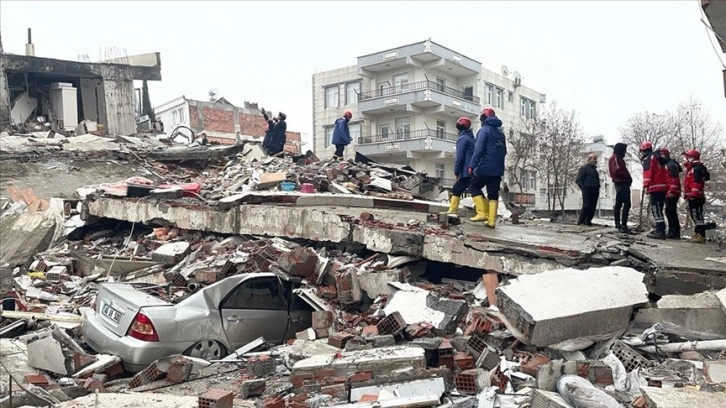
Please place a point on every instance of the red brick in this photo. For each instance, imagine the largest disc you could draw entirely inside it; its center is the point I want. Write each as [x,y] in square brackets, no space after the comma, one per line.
[391,324]
[115,371]
[81,360]
[339,339]
[92,385]
[274,403]
[179,372]
[216,399]
[36,379]
[300,397]
[530,364]
[339,391]
[297,404]
[368,398]
[361,376]
[328,292]
[370,330]
[298,380]
[323,373]
[468,381]
[463,360]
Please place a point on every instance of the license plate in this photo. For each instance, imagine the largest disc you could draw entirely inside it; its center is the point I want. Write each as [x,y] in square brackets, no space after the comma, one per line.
[111,313]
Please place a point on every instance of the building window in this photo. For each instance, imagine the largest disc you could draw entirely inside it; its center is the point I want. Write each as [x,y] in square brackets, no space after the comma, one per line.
[174,117]
[329,135]
[384,129]
[499,98]
[440,129]
[489,96]
[510,96]
[331,96]
[355,132]
[403,128]
[400,83]
[351,92]
[527,108]
[440,170]
[529,180]
[440,84]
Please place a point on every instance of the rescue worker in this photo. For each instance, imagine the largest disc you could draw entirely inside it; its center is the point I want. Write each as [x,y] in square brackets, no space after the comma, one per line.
[341,134]
[278,136]
[588,180]
[693,191]
[487,167]
[656,185]
[673,178]
[464,150]
[622,180]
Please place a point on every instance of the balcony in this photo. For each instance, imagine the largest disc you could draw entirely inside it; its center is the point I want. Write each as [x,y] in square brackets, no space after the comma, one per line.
[425,55]
[423,140]
[424,97]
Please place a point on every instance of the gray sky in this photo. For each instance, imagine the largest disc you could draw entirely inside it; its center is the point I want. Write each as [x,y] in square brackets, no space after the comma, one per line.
[606,60]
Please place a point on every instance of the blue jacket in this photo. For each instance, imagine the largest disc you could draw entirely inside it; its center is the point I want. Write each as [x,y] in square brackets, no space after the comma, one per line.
[278,136]
[341,134]
[491,147]
[464,151]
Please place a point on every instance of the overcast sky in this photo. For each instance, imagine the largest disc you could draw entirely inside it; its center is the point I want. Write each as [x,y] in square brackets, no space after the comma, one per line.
[606,59]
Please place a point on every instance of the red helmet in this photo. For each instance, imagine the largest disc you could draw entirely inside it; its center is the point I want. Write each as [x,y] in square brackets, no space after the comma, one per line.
[646,146]
[348,115]
[664,151]
[464,121]
[487,111]
[693,153]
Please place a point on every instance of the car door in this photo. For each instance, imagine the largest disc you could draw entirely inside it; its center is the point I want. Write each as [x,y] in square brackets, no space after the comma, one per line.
[255,308]
[301,313]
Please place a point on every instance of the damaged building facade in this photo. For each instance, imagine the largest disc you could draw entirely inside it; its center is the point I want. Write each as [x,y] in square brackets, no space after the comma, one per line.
[66,93]
[220,120]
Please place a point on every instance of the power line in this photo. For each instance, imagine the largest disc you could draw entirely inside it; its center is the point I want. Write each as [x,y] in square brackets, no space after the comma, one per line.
[710,40]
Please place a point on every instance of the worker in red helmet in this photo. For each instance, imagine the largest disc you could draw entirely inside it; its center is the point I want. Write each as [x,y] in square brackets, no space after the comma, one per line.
[673,178]
[464,150]
[655,183]
[341,135]
[487,167]
[693,191]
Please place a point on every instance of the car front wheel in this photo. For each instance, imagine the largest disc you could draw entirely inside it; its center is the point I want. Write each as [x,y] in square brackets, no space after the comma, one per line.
[207,350]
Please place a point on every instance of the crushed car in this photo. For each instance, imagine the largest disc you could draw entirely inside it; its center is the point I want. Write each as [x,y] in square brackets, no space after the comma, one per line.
[210,323]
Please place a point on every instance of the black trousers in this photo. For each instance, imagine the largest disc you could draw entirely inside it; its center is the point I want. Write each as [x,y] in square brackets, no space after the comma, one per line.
[490,182]
[589,204]
[695,208]
[462,183]
[339,148]
[622,204]
[671,212]
[657,202]
[271,151]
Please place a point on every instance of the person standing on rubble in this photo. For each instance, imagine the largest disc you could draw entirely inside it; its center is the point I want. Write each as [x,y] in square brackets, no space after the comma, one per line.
[341,134]
[268,133]
[655,183]
[588,180]
[464,150]
[487,167]
[693,191]
[278,137]
[673,178]
[622,180]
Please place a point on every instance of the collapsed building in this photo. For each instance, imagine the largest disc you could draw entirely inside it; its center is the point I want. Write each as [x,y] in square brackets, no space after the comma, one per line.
[405,307]
[64,94]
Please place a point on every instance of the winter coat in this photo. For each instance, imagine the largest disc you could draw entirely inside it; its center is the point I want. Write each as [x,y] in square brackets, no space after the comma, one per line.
[464,150]
[490,149]
[278,137]
[341,133]
[673,178]
[268,133]
[655,178]
[616,164]
[695,181]
[588,177]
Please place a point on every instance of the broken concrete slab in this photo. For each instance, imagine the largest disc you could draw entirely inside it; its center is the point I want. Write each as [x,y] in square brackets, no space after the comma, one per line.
[702,312]
[171,253]
[14,355]
[47,354]
[682,398]
[132,400]
[548,399]
[564,304]
[25,234]
[417,305]
[716,371]
[428,386]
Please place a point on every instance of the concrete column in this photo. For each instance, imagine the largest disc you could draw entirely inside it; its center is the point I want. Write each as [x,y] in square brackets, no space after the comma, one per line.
[4,97]
[119,98]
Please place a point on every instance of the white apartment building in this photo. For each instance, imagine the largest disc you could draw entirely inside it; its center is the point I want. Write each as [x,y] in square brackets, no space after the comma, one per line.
[406,100]
[573,199]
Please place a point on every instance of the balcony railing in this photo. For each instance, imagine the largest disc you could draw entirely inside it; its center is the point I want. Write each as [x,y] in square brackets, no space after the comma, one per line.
[417,86]
[407,135]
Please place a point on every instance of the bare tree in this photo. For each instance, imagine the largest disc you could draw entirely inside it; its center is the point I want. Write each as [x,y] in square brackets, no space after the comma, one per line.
[560,153]
[657,128]
[522,153]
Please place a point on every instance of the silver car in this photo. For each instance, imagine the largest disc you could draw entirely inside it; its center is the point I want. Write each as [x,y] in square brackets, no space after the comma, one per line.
[210,323]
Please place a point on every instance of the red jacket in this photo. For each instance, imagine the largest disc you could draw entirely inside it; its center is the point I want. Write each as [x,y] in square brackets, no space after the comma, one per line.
[655,175]
[695,180]
[673,170]
[618,170]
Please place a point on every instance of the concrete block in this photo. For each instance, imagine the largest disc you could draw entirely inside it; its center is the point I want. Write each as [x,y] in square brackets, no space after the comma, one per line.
[383,341]
[548,399]
[375,284]
[404,389]
[322,319]
[682,398]
[589,302]
[487,360]
[171,253]
[261,366]
[417,305]
[717,371]
[252,388]
[702,312]
[47,354]
[381,362]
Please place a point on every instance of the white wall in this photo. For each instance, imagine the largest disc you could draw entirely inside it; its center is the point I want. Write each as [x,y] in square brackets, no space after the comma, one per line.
[166,113]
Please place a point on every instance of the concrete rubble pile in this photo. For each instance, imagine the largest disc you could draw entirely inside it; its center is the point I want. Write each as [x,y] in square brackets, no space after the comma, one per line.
[397,315]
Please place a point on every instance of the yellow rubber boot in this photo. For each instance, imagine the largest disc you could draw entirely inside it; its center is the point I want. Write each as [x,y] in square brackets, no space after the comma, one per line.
[480,204]
[454,205]
[493,206]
